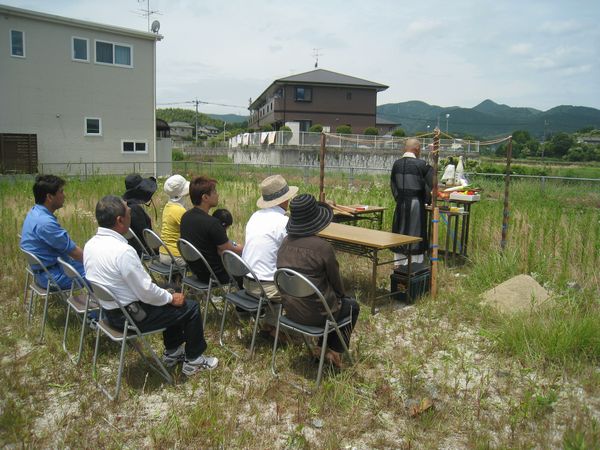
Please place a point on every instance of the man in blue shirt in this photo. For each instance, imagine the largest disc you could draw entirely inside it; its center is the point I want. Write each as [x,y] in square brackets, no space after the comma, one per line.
[43,236]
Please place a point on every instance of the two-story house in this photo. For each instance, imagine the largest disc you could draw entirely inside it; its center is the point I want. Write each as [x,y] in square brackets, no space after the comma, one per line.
[317,97]
[74,92]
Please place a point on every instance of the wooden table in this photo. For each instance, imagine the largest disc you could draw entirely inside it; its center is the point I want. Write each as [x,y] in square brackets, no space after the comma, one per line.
[367,243]
[373,214]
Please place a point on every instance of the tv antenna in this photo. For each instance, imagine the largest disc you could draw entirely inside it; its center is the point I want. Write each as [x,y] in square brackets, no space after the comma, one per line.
[316,55]
[148,13]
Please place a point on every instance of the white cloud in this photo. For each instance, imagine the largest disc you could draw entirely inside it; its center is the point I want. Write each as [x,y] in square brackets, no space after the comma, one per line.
[559,26]
[423,26]
[520,49]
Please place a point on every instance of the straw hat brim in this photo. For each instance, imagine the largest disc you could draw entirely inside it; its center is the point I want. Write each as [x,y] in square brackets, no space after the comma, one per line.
[262,204]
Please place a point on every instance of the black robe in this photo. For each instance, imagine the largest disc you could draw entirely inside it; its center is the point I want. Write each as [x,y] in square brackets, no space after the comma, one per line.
[411,182]
[139,221]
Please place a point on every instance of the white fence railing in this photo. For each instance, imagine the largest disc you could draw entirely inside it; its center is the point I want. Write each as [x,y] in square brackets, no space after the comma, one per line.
[355,141]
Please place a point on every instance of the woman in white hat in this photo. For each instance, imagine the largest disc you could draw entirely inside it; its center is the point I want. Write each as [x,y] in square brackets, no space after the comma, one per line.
[177,188]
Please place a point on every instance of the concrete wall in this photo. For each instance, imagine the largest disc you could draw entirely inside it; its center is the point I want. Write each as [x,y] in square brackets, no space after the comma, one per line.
[49,94]
[333,158]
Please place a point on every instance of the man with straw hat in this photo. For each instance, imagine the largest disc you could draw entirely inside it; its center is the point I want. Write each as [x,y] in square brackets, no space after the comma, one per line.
[265,232]
[303,251]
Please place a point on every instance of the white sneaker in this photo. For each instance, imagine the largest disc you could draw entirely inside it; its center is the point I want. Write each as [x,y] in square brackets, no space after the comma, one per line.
[201,363]
[174,357]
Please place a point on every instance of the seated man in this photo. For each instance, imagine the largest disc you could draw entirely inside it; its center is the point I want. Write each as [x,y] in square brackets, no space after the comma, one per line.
[43,236]
[205,232]
[265,232]
[303,251]
[111,262]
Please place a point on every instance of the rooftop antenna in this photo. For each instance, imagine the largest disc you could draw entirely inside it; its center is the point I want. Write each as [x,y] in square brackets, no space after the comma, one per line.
[148,13]
[316,55]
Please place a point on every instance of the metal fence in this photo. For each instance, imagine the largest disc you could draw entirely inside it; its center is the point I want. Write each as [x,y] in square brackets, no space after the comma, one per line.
[301,171]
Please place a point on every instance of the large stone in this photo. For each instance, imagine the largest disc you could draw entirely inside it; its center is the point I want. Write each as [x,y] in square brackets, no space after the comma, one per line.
[516,294]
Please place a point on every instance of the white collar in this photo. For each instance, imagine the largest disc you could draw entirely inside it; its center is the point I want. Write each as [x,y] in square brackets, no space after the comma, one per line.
[409,155]
[112,233]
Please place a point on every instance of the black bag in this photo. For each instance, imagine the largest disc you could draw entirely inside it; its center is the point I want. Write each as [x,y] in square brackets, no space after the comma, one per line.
[136,311]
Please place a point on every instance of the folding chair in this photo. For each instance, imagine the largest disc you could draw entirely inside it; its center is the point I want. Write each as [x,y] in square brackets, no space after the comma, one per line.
[237,267]
[165,270]
[128,334]
[145,256]
[51,288]
[81,306]
[191,254]
[295,284]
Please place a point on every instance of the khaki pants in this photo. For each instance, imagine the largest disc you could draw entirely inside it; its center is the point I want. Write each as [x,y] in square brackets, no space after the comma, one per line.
[273,295]
[166,259]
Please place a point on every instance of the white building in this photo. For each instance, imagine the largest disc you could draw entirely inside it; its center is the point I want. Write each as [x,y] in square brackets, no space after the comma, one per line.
[74,92]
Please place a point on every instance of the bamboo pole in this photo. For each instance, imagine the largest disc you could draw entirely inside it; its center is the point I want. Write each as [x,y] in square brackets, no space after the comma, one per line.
[506,212]
[435,214]
[322,169]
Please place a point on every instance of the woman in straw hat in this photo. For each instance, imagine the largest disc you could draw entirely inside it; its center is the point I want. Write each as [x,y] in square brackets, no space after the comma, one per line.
[177,188]
[302,250]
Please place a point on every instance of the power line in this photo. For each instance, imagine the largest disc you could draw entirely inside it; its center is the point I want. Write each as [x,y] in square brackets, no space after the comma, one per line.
[202,102]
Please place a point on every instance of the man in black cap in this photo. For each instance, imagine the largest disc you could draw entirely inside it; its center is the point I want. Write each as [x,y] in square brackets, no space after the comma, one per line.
[303,251]
[138,192]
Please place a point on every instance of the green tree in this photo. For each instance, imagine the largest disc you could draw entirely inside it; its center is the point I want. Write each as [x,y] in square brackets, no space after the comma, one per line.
[316,128]
[559,145]
[267,127]
[399,132]
[371,131]
[344,129]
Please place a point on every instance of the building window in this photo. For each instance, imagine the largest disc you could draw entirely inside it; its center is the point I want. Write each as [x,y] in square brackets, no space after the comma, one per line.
[348,95]
[17,43]
[305,125]
[134,146]
[111,53]
[303,94]
[93,126]
[80,49]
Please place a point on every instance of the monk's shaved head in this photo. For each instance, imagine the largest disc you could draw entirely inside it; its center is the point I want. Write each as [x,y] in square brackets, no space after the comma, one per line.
[413,145]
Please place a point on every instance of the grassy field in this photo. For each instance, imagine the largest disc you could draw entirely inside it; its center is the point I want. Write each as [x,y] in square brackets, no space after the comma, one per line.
[526,381]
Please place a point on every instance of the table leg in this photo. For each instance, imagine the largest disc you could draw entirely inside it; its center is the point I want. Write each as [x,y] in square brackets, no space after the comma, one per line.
[447,249]
[374,280]
[455,239]
[408,274]
[467,219]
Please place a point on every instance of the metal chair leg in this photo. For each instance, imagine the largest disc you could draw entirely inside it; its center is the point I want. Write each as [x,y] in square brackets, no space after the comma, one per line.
[322,359]
[273,368]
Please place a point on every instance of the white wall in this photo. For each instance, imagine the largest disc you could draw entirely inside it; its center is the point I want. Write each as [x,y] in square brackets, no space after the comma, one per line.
[49,94]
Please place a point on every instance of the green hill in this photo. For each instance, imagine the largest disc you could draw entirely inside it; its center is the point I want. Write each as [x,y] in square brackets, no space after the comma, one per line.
[489,119]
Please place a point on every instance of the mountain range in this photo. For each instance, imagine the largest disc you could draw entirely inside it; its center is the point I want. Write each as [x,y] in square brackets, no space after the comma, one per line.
[489,119]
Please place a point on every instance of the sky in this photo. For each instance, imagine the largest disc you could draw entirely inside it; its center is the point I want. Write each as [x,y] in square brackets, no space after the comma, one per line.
[528,53]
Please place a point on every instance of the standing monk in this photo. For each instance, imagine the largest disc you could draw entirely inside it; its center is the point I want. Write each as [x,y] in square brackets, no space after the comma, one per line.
[411,182]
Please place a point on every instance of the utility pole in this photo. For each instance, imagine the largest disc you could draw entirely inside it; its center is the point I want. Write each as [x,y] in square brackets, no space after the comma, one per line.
[196,136]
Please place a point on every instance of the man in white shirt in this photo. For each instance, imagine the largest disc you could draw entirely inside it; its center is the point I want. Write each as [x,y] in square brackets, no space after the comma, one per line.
[265,232]
[111,262]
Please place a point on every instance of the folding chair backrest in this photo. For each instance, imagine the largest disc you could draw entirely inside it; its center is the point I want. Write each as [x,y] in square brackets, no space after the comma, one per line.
[77,281]
[34,260]
[191,254]
[131,235]
[295,284]
[153,242]
[102,294]
[237,267]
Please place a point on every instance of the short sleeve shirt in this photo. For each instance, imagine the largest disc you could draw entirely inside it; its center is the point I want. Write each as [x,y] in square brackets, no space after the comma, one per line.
[206,233]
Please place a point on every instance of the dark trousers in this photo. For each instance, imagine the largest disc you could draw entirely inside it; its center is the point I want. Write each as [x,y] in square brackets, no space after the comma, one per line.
[349,307]
[184,324]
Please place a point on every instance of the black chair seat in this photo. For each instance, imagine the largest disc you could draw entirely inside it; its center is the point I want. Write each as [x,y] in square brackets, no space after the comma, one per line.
[310,329]
[195,283]
[243,300]
[157,266]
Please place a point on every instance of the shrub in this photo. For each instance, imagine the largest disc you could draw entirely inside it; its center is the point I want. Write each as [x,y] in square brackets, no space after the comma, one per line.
[371,131]
[344,129]
[177,155]
[267,127]
[316,128]
[285,128]
[399,132]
